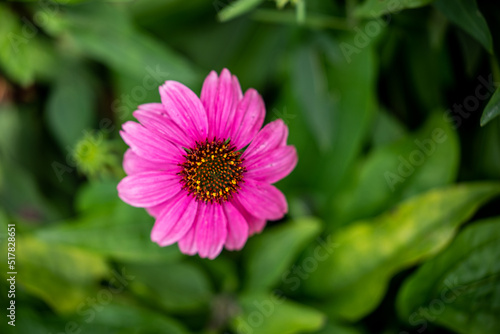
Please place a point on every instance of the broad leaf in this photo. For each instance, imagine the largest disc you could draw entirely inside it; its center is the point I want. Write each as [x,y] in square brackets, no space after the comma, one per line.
[71,105]
[416,163]
[377,8]
[492,109]
[23,54]
[352,80]
[466,15]
[274,251]
[122,234]
[178,288]
[146,60]
[355,276]
[272,313]
[62,276]
[237,8]
[460,287]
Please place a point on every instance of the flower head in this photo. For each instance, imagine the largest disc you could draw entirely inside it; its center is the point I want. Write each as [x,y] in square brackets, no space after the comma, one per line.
[203,167]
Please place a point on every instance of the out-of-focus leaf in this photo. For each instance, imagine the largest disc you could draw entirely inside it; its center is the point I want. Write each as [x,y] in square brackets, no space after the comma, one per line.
[472,52]
[176,287]
[352,81]
[62,276]
[419,162]
[122,233]
[272,252]
[270,314]
[377,8]
[486,152]
[429,68]
[467,16]
[310,86]
[96,196]
[224,274]
[22,54]
[237,8]
[120,318]
[71,105]
[386,129]
[333,328]
[492,109]
[355,276]
[459,288]
[105,33]
[20,195]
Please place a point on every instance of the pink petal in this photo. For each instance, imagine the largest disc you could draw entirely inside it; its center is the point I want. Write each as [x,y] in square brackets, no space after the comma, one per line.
[273,166]
[164,126]
[262,200]
[133,164]
[150,145]
[148,188]
[255,225]
[220,98]
[187,243]
[185,109]
[155,211]
[237,228]
[211,231]
[175,219]
[155,108]
[272,136]
[248,120]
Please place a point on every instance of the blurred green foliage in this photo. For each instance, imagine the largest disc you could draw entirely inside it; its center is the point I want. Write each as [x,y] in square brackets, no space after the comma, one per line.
[393,224]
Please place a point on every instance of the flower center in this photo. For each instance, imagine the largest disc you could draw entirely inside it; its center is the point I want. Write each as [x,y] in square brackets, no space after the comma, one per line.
[212,171]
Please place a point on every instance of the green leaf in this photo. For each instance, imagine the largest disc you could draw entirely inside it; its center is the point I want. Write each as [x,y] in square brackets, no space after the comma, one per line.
[176,287]
[352,81]
[23,54]
[27,202]
[486,151]
[334,328]
[466,15]
[95,196]
[272,252]
[355,276]
[237,8]
[492,109]
[62,276]
[119,318]
[142,57]
[122,234]
[310,86]
[386,129]
[71,105]
[377,8]
[459,287]
[418,162]
[271,314]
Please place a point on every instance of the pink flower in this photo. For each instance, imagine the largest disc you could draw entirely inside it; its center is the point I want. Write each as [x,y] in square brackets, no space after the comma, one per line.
[188,166]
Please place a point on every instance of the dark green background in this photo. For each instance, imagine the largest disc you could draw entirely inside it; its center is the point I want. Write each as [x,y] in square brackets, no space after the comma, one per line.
[393,223]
